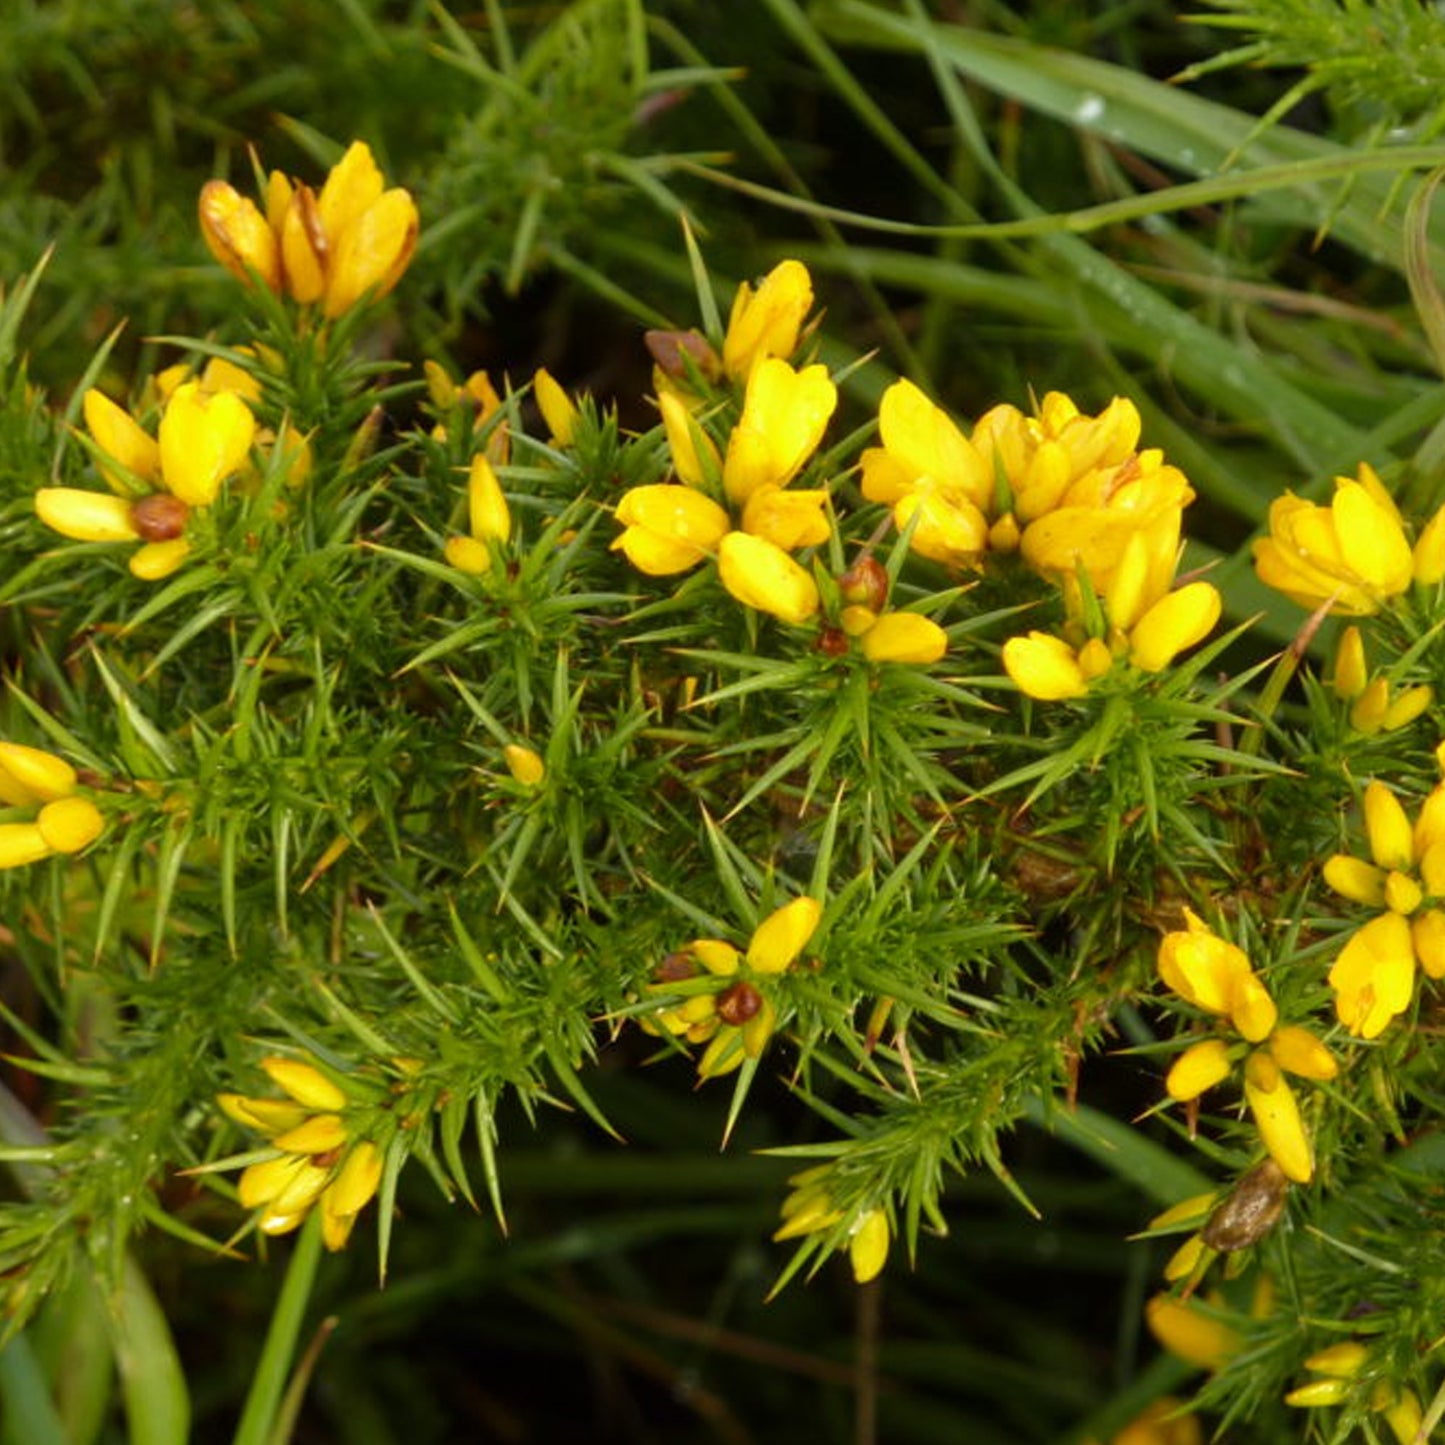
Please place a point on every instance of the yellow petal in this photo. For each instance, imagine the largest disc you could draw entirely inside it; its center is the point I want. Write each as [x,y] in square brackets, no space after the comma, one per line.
[316,1134]
[1298,1051]
[1427,561]
[1176,622]
[1340,1361]
[558,409]
[269,1116]
[1404,709]
[305,247]
[1356,880]
[486,503]
[22,843]
[238,235]
[785,414]
[1427,934]
[868,1247]
[789,519]
[468,555]
[353,185]
[925,441]
[203,439]
[904,637]
[783,934]
[30,775]
[1367,714]
[118,435]
[1374,975]
[86,516]
[1392,843]
[70,824]
[1200,1067]
[1371,539]
[305,1083]
[760,574]
[357,1179]
[767,322]
[372,253]
[1251,1010]
[669,528]
[684,438]
[1276,1115]
[943,530]
[157,560]
[1044,666]
[1318,1392]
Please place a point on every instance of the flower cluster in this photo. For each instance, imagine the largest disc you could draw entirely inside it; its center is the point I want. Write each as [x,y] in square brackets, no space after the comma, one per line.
[1374,975]
[1352,556]
[1337,1368]
[1374,706]
[317,1157]
[809,1208]
[353,240]
[1215,976]
[732,1014]
[44,786]
[157,483]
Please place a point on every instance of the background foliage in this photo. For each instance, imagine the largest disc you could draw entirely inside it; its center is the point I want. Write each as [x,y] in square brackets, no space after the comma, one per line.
[982,194]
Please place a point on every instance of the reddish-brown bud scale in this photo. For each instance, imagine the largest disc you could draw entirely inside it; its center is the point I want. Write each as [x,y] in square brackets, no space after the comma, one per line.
[159,517]
[865,584]
[670,348]
[738,1004]
[674,968]
[832,642]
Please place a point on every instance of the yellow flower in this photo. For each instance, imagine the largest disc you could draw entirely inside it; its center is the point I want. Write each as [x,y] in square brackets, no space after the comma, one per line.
[694,457]
[785,414]
[1162,1423]
[789,519]
[760,574]
[1374,974]
[1177,621]
[767,322]
[1044,667]
[669,528]
[489,520]
[63,821]
[1216,976]
[352,241]
[203,439]
[1352,554]
[318,1158]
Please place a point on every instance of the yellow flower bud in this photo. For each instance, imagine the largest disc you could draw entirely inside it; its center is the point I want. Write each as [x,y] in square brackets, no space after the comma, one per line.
[1367,713]
[1044,666]
[1186,1259]
[1391,838]
[305,1083]
[1340,1361]
[557,408]
[29,776]
[868,1247]
[1403,1415]
[1186,1330]
[904,637]
[487,509]
[1351,670]
[70,824]
[525,766]
[715,955]
[783,934]
[760,574]
[269,1116]
[86,516]
[1201,1066]
[766,322]
[238,235]
[1175,622]
[1276,1115]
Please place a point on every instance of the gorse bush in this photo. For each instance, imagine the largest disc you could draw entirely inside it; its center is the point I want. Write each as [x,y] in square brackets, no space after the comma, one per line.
[383,743]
